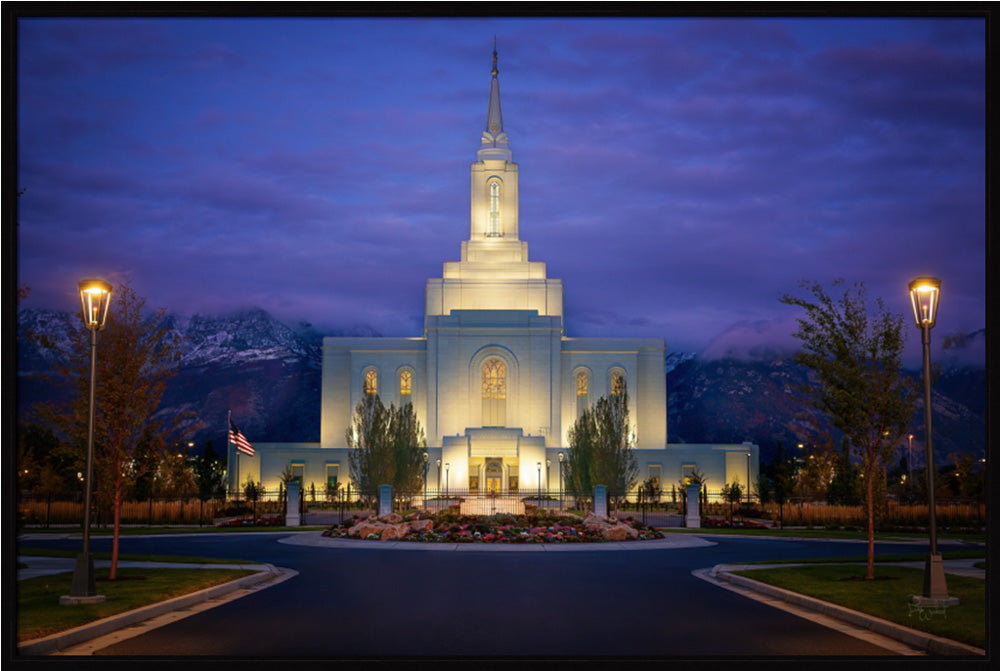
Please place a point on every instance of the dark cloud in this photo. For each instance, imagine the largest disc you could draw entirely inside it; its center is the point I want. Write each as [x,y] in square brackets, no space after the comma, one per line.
[677,174]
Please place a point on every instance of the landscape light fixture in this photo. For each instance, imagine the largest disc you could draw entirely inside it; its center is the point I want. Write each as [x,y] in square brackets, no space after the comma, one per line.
[924,295]
[95,298]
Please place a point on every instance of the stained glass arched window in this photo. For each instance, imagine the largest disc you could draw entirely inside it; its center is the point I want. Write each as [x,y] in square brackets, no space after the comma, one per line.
[405,383]
[617,383]
[582,392]
[371,382]
[494,392]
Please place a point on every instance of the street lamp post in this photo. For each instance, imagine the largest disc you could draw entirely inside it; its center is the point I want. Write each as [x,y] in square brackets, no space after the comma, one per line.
[95,297]
[425,480]
[909,458]
[924,294]
[560,480]
[447,480]
[748,477]
[548,471]
[538,465]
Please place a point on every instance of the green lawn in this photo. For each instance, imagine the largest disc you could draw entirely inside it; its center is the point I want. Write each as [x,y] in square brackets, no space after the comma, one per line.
[888,597]
[160,531]
[124,556]
[954,554]
[39,612]
[840,534]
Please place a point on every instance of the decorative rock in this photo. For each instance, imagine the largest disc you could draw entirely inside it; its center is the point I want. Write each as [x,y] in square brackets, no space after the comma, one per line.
[615,533]
[366,527]
[421,526]
[392,531]
[392,518]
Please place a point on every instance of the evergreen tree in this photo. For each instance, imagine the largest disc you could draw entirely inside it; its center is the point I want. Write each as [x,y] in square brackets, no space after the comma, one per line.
[386,447]
[845,487]
[601,451]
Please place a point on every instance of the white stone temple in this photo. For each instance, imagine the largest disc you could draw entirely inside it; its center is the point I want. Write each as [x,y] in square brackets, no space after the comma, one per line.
[495,382]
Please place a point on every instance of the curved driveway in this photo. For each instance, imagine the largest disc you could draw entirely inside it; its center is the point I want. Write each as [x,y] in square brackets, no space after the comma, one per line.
[352,601]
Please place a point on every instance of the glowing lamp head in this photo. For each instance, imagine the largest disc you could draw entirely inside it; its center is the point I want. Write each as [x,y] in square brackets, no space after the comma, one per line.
[95,298]
[924,294]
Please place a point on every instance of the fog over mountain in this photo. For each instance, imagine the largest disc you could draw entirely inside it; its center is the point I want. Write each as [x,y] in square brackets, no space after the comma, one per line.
[268,375]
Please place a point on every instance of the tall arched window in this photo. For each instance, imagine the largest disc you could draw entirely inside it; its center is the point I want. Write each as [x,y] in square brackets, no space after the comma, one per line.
[494,229]
[405,383]
[371,382]
[582,392]
[494,393]
[617,383]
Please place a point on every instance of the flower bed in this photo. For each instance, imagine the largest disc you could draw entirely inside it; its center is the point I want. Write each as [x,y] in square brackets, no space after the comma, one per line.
[532,527]
[721,523]
[262,521]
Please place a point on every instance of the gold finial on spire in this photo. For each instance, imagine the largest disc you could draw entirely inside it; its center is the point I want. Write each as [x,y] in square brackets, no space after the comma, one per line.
[494,71]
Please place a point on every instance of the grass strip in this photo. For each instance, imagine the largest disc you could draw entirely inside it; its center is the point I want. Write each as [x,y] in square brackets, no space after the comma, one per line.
[837,534]
[124,556]
[39,612]
[167,531]
[954,554]
[888,596]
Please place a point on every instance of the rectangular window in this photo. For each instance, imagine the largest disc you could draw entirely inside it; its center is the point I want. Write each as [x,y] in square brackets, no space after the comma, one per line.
[298,470]
[687,470]
[654,475]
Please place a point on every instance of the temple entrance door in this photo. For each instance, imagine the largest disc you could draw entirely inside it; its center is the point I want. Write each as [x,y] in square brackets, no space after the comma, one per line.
[494,475]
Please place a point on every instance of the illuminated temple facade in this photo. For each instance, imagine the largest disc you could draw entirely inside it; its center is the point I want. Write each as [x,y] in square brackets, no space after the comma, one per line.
[495,382]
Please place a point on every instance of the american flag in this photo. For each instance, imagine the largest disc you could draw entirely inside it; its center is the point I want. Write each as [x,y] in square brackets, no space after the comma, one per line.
[239,440]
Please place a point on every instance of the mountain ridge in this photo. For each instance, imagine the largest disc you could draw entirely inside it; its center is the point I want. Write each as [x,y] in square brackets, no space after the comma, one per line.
[268,374]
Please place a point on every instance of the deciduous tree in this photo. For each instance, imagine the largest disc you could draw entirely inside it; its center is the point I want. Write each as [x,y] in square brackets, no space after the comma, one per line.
[137,355]
[855,351]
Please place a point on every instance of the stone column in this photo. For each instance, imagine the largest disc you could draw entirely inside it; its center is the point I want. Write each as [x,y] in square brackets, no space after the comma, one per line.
[384,500]
[601,501]
[292,518]
[693,518]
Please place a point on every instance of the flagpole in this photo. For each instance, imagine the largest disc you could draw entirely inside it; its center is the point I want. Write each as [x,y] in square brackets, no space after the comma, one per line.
[236,464]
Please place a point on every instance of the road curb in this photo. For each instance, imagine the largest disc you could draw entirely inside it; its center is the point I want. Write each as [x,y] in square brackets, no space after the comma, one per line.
[911,637]
[64,639]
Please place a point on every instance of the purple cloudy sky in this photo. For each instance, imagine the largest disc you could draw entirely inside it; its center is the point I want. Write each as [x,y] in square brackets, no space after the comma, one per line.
[676,174]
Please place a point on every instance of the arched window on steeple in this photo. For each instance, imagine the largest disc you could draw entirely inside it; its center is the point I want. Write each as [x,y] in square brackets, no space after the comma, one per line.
[494,223]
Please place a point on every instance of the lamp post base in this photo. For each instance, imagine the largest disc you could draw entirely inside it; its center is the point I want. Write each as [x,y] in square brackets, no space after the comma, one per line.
[83,589]
[935,586]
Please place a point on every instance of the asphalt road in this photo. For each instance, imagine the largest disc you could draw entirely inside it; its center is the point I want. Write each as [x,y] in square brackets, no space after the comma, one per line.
[385,603]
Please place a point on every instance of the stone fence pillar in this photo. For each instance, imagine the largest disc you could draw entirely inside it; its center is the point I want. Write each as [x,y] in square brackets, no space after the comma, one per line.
[292,517]
[601,500]
[693,518]
[384,500]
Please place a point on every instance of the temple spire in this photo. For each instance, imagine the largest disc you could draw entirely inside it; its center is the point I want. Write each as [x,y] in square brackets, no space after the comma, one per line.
[494,120]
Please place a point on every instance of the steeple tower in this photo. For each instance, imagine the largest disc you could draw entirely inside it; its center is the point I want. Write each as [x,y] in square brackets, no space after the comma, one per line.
[494,272]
